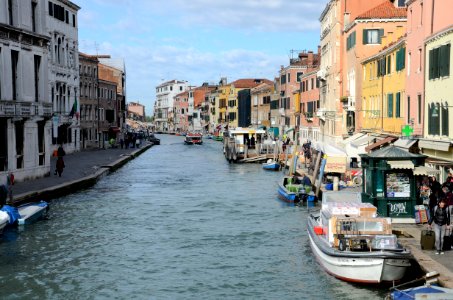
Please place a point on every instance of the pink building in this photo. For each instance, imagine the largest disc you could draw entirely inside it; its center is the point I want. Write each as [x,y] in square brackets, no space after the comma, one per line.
[424,17]
[181,107]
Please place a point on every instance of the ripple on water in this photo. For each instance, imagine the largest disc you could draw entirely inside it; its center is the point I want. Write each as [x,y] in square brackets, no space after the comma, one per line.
[175,223]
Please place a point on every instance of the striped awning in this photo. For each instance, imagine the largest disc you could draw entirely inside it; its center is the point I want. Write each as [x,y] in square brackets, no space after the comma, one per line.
[423,170]
[401,164]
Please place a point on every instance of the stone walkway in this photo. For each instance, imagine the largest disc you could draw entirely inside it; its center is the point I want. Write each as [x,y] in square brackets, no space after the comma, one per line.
[79,165]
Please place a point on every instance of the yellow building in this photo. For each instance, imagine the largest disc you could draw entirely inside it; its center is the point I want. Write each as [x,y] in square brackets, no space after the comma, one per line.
[221,111]
[438,130]
[383,90]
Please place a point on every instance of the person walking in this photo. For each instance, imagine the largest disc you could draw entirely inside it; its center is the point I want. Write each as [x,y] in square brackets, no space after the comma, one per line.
[60,166]
[441,220]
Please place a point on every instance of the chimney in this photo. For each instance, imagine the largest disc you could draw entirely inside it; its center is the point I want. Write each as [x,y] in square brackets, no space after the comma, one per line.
[310,58]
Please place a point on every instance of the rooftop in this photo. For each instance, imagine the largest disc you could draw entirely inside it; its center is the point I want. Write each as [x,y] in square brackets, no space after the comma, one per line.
[250,83]
[386,10]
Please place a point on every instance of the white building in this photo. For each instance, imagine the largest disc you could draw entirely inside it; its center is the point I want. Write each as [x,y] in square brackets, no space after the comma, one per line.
[62,27]
[164,108]
[25,109]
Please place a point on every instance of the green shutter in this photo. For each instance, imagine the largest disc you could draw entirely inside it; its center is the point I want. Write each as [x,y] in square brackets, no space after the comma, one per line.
[436,60]
[365,36]
[444,60]
[353,39]
[445,131]
[403,61]
[390,105]
[431,64]
[389,64]
[398,105]
[447,60]
[381,34]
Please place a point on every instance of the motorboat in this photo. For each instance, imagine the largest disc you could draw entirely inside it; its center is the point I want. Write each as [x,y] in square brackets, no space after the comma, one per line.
[291,190]
[271,165]
[25,214]
[351,243]
[193,139]
[153,139]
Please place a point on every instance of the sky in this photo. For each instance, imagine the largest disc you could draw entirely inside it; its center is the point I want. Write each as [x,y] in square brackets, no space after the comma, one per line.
[197,40]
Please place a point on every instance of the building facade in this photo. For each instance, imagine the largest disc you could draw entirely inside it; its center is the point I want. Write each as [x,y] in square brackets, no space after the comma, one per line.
[25,108]
[438,130]
[163,107]
[261,104]
[89,125]
[307,105]
[62,27]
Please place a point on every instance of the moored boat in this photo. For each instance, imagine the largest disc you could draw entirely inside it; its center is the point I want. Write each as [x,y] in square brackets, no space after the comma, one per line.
[25,214]
[193,139]
[271,165]
[4,219]
[291,191]
[352,244]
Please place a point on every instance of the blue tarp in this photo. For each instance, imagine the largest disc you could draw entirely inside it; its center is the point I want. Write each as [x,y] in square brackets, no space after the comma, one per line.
[410,293]
[12,212]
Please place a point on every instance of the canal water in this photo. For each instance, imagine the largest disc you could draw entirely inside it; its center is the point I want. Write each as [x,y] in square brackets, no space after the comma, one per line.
[178,222]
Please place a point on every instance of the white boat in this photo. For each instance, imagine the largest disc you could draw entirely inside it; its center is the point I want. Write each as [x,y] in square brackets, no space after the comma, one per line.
[25,214]
[4,220]
[352,244]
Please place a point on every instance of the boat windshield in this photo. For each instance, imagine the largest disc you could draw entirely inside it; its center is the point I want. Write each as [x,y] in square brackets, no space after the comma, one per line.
[364,226]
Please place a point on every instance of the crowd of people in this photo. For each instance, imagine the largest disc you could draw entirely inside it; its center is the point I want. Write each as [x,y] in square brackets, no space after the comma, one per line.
[440,206]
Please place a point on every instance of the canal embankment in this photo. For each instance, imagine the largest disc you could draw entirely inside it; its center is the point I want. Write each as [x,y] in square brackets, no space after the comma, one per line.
[83,170]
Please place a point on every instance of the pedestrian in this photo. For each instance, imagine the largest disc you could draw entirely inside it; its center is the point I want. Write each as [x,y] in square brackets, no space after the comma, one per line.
[137,142]
[60,151]
[121,143]
[434,184]
[433,200]
[60,166]
[441,220]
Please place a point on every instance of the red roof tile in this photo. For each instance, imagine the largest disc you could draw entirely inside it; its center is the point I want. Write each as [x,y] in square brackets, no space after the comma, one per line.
[249,83]
[385,10]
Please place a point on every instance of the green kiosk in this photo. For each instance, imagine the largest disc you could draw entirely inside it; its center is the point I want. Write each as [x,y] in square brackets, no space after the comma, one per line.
[389,181]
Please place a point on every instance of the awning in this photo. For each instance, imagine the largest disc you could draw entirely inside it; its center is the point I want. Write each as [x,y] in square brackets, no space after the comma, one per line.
[404,143]
[364,140]
[423,170]
[387,140]
[401,164]
[289,130]
[434,145]
[352,138]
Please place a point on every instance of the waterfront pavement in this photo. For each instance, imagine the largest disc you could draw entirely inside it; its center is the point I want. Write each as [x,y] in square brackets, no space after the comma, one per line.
[82,170]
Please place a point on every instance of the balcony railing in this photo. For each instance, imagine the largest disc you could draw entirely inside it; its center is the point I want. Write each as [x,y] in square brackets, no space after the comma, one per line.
[25,109]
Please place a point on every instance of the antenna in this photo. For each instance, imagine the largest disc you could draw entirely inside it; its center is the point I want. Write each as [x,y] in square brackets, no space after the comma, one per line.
[96,46]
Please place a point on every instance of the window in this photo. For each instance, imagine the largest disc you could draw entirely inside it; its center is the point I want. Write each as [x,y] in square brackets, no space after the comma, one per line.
[14,68]
[50,9]
[283,79]
[299,76]
[312,83]
[372,36]
[419,69]
[419,103]
[390,105]
[37,64]
[400,59]
[439,62]
[289,77]
[73,21]
[398,105]
[401,3]
[408,109]
[10,12]
[389,64]
[433,119]
[33,15]
[67,16]
[445,116]
[350,41]
[274,104]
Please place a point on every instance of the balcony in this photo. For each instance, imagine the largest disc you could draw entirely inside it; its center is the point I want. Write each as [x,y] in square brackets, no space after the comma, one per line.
[25,109]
